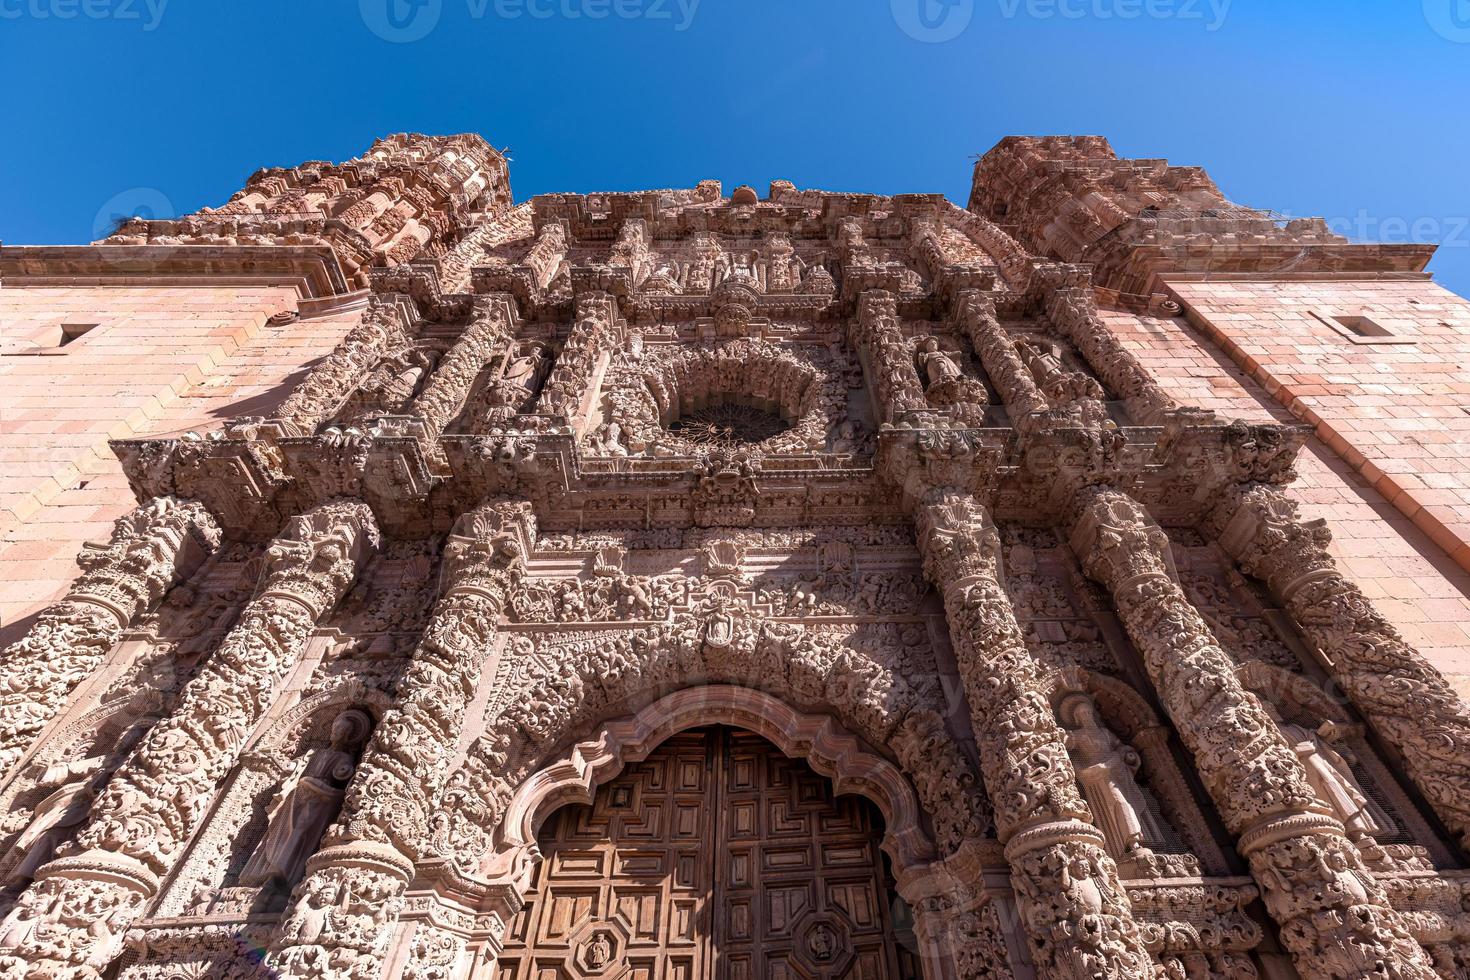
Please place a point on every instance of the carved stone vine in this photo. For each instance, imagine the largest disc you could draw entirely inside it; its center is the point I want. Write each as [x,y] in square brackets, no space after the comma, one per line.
[153,547]
[68,924]
[1334,917]
[385,819]
[1400,694]
[1076,913]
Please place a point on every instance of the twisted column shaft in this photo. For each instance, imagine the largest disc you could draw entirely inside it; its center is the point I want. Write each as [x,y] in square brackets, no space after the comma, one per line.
[1335,919]
[368,855]
[1076,913]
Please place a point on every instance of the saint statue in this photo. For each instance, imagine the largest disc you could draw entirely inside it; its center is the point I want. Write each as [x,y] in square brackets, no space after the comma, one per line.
[306,804]
[74,786]
[523,377]
[1330,772]
[1107,770]
[938,366]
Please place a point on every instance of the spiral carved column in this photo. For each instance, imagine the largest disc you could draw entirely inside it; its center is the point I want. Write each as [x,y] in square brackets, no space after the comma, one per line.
[153,548]
[1405,699]
[70,922]
[367,859]
[1075,911]
[1334,917]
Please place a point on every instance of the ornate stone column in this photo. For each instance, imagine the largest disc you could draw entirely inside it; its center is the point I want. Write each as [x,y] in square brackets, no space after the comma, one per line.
[1073,310]
[443,397]
[1335,919]
[592,338]
[152,549]
[368,856]
[878,337]
[975,312]
[322,392]
[1405,699]
[71,920]
[1073,906]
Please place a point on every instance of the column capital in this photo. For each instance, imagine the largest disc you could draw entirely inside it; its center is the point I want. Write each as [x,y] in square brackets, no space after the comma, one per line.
[1262,528]
[1115,538]
[319,554]
[957,537]
[152,547]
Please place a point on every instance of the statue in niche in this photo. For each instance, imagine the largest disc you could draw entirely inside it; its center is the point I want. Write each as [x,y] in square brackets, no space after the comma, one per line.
[74,787]
[1108,772]
[938,367]
[306,804]
[1329,770]
[391,385]
[523,377]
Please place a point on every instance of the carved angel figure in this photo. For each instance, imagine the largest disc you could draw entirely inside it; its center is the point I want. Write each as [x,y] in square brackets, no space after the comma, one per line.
[1107,770]
[306,805]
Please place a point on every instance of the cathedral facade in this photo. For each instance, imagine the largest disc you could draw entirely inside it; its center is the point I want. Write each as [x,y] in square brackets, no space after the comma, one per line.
[682,585]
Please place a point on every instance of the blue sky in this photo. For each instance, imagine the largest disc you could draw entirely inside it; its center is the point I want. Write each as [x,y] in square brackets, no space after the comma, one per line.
[1356,112]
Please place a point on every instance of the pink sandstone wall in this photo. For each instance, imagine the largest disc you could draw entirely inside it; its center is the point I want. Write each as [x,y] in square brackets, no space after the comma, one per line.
[160,360]
[1393,445]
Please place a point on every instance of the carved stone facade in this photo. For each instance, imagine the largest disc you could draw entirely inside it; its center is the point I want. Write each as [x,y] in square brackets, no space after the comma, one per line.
[544,626]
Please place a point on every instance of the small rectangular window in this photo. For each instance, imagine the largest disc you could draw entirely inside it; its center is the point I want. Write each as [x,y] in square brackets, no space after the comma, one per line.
[48,340]
[1361,329]
[73,331]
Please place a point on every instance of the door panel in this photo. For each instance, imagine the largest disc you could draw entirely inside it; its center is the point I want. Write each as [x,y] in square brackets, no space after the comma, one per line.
[716,858]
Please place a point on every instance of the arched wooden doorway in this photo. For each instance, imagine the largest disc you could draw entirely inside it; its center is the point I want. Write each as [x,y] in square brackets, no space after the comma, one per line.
[715,858]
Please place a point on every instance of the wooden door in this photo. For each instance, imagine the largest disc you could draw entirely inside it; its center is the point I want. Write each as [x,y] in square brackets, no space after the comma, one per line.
[716,858]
